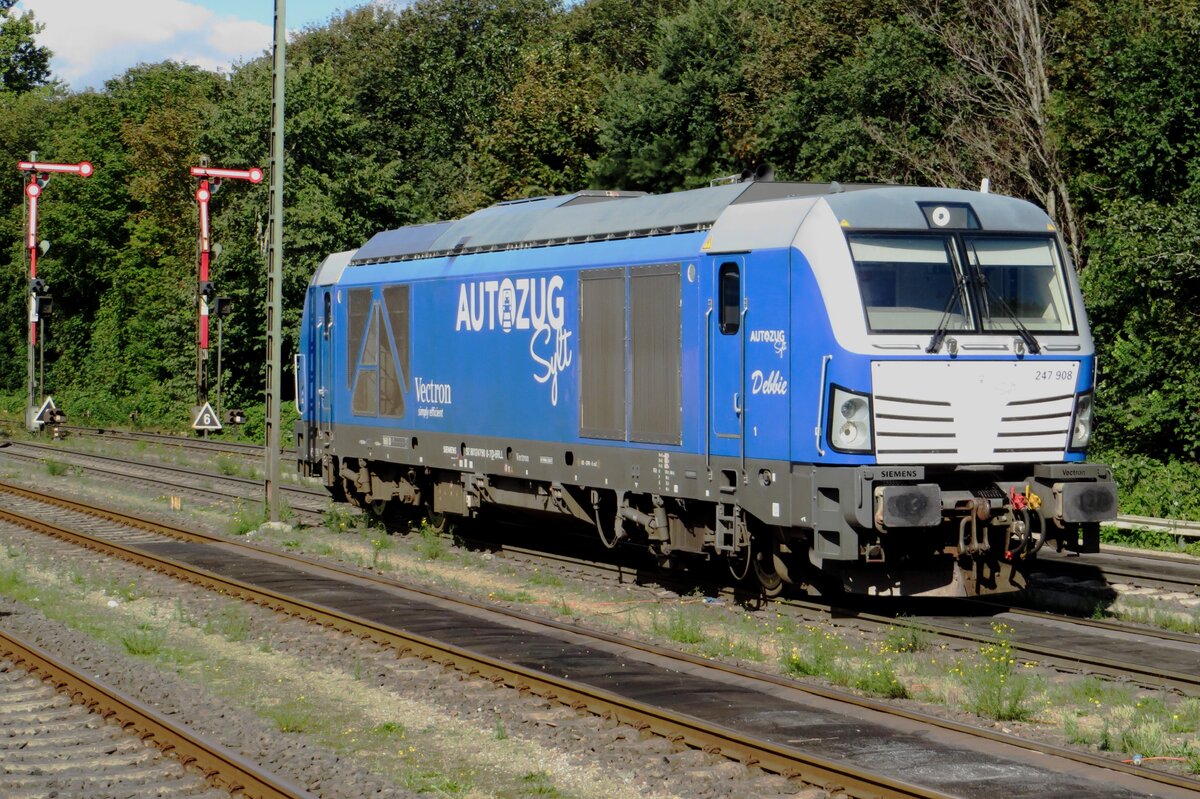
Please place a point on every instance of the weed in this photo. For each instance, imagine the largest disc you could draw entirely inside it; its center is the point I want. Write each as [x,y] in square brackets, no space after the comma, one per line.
[547,580]
[563,608]
[681,626]
[228,466]
[537,783]
[246,520]
[1091,691]
[127,591]
[906,637]
[879,679]
[729,647]
[501,734]
[433,782]
[144,640]
[181,613]
[524,597]
[816,657]
[431,545]
[389,729]
[379,544]
[292,716]
[994,687]
[55,468]
[232,623]
[1142,611]
[336,519]
[12,581]
[1075,733]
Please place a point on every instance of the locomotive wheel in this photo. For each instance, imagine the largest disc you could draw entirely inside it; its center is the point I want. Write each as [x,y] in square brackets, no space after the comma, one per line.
[437,522]
[382,509]
[739,563]
[769,579]
[337,492]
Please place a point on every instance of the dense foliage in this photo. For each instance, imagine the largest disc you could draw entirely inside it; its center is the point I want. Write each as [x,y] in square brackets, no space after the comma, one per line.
[1087,107]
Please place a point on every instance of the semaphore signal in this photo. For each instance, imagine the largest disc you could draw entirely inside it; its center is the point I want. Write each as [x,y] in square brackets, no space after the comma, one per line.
[210,182]
[39,300]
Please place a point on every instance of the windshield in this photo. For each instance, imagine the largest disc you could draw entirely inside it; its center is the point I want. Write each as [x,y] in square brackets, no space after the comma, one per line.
[909,283]
[921,283]
[1025,275]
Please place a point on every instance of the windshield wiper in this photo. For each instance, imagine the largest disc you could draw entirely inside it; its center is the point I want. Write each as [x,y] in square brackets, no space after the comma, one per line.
[981,280]
[943,326]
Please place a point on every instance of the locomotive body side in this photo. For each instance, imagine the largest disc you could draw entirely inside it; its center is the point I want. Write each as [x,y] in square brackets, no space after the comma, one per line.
[680,384]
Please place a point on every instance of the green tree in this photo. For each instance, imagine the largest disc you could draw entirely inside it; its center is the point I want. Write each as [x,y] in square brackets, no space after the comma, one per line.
[1142,287]
[1131,98]
[24,65]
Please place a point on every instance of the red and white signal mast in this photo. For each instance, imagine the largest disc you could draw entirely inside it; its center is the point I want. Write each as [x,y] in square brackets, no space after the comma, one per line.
[39,299]
[210,181]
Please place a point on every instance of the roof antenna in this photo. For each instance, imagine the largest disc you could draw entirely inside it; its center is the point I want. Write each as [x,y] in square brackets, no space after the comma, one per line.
[985,186]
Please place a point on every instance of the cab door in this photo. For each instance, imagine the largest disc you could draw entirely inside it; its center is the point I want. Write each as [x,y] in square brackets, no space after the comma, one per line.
[324,372]
[726,349]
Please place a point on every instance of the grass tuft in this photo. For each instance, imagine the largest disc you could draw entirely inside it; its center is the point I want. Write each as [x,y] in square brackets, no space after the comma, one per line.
[144,640]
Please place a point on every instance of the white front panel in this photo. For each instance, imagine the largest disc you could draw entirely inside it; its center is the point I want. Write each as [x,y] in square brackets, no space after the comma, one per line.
[972,411]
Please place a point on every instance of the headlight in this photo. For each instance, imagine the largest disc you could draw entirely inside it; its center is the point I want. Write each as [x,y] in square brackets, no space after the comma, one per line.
[849,421]
[1081,430]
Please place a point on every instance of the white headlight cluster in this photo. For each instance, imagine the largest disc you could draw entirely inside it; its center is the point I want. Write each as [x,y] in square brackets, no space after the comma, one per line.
[1082,431]
[850,421]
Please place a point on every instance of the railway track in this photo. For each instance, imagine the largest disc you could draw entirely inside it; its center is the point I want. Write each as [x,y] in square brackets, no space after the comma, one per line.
[307,502]
[1178,527]
[1152,657]
[1110,649]
[63,733]
[167,439]
[745,715]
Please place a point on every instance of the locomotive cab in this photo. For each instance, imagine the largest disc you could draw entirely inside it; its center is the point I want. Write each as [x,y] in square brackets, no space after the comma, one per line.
[956,395]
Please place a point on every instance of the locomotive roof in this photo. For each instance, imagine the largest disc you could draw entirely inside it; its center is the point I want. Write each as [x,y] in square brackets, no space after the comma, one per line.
[579,217]
[600,216]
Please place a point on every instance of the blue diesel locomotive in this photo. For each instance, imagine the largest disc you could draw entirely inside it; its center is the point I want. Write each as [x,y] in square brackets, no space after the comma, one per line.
[876,389]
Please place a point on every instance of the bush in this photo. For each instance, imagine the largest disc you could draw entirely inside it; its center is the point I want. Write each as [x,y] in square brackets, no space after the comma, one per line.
[1150,487]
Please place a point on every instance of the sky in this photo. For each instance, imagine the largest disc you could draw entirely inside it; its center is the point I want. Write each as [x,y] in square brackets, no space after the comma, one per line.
[94,40]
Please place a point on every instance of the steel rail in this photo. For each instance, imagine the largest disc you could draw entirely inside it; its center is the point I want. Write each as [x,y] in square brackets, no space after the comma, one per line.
[676,727]
[300,492]
[222,767]
[406,643]
[167,439]
[1178,527]
[163,467]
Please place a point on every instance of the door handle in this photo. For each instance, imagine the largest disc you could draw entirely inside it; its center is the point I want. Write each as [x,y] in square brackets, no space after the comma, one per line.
[737,403]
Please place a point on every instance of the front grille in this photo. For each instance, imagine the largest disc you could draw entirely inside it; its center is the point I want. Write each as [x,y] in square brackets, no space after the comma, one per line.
[969,412]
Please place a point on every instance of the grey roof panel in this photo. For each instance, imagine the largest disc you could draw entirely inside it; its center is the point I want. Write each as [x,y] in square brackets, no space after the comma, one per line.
[766,224]
[585,216]
[392,245]
[330,270]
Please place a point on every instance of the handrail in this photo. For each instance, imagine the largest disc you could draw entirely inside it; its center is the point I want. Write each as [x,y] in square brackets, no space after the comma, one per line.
[1179,527]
